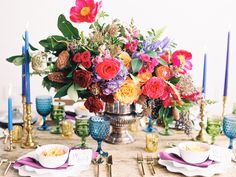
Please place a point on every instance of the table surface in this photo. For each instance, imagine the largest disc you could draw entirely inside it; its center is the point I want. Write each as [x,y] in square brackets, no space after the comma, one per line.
[124,156]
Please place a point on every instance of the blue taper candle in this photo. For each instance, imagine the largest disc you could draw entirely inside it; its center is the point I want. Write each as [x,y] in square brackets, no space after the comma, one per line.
[227,67]
[10,110]
[23,73]
[204,75]
[27,69]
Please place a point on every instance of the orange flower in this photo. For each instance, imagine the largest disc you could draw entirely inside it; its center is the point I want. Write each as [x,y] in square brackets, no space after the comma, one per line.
[128,92]
[126,59]
[144,77]
[163,72]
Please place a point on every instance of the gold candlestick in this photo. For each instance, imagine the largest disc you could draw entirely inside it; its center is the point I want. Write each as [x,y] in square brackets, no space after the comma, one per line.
[224,105]
[24,116]
[28,141]
[202,133]
[10,147]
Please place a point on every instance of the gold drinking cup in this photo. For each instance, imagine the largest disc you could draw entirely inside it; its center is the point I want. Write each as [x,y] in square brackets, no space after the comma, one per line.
[151,142]
[17,133]
[67,128]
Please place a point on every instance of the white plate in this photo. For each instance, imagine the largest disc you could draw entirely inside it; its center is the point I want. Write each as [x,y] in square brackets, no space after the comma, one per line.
[189,170]
[33,172]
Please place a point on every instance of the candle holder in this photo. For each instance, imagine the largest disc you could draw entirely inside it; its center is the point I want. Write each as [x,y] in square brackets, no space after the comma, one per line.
[10,147]
[202,133]
[28,142]
[24,116]
[224,105]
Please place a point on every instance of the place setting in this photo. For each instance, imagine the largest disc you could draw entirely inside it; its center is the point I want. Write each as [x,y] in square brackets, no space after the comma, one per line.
[117,99]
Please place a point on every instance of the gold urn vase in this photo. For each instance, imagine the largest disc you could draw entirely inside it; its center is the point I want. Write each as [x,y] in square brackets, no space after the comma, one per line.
[120,115]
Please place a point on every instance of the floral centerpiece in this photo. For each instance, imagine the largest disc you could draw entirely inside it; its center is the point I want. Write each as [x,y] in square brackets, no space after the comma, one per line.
[113,62]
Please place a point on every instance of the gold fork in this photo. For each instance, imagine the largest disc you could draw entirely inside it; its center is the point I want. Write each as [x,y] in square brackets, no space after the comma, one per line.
[140,161]
[150,162]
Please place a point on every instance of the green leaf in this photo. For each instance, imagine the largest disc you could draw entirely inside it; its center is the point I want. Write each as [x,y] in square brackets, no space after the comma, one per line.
[72,93]
[32,47]
[174,80]
[162,62]
[77,87]
[17,60]
[62,91]
[54,43]
[67,29]
[136,65]
[84,93]
[152,54]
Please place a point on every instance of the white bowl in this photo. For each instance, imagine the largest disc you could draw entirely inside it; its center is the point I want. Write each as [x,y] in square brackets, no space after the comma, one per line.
[194,152]
[80,109]
[51,161]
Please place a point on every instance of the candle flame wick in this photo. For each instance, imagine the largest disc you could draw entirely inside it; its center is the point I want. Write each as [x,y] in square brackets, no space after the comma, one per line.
[10,89]
[27,25]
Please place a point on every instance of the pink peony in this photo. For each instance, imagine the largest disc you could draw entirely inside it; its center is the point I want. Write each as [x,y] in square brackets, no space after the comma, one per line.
[85,11]
[181,59]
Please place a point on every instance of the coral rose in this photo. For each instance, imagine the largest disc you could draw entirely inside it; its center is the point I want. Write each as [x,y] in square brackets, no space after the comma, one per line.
[85,11]
[94,104]
[108,68]
[82,78]
[154,88]
[128,92]
[144,77]
[126,59]
[77,58]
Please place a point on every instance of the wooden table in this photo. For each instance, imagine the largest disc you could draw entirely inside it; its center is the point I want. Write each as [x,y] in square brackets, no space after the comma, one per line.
[124,156]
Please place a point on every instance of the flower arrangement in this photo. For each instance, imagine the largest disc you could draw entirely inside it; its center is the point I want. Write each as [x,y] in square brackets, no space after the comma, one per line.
[114,62]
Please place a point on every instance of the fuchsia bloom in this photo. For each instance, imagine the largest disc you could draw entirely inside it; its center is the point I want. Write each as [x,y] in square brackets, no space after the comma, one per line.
[181,59]
[131,46]
[85,11]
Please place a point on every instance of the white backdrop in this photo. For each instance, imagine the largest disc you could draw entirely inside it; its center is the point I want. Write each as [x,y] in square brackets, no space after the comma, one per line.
[191,23]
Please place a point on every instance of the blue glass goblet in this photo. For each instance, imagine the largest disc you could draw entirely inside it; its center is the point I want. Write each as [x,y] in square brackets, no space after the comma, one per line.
[43,106]
[229,128]
[99,128]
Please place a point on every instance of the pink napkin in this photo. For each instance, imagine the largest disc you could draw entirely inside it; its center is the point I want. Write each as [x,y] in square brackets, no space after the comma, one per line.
[34,163]
[176,158]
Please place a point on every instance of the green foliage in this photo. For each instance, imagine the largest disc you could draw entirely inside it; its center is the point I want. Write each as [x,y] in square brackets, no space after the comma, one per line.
[72,93]
[17,60]
[156,34]
[152,54]
[162,62]
[174,80]
[49,84]
[62,91]
[67,29]
[136,64]
[54,43]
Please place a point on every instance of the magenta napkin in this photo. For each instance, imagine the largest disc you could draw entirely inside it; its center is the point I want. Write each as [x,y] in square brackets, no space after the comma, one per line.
[176,158]
[35,164]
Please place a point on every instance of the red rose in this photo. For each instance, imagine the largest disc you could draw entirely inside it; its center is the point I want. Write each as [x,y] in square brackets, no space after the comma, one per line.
[77,58]
[82,78]
[85,59]
[107,98]
[108,68]
[94,104]
[154,88]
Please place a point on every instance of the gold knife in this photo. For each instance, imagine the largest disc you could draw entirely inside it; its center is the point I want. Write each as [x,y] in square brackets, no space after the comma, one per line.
[109,164]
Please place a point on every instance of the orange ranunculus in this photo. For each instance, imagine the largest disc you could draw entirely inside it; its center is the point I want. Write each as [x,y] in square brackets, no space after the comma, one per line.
[144,77]
[126,59]
[128,92]
[163,72]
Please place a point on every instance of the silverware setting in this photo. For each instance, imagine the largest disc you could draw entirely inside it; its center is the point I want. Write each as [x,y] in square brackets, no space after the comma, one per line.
[140,161]
[9,165]
[109,164]
[150,162]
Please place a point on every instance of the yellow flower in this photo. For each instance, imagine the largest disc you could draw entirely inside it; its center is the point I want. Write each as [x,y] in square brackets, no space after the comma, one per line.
[128,92]
[126,59]
[144,77]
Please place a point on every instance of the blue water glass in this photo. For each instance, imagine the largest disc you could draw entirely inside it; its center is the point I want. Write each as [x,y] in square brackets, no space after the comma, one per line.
[150,128]
[229,128]
[43,107]
[99,128]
